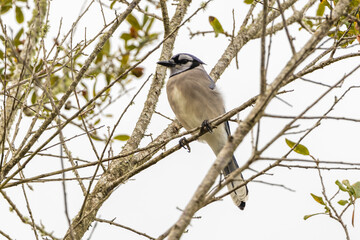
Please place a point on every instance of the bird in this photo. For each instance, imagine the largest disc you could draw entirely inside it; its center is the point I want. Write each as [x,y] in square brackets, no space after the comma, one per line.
[194,99]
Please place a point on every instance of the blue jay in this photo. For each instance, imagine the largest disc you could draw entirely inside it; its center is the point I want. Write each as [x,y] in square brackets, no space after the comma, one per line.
[194,99]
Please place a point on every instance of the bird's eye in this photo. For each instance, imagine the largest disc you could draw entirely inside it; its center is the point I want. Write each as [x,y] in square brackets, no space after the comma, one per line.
[184,61]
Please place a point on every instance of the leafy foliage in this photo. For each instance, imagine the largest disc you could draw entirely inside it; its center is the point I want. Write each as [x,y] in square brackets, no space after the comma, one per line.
[353,191]
[346,30]
[113,60]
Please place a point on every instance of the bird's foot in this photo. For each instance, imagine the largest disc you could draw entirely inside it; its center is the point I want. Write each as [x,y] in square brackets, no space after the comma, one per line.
[184,144]
[205,127]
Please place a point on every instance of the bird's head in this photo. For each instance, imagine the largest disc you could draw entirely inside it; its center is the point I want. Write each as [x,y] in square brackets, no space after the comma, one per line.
[181,62]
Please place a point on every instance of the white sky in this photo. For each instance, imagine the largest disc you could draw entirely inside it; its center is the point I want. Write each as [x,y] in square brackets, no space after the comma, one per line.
[148,202]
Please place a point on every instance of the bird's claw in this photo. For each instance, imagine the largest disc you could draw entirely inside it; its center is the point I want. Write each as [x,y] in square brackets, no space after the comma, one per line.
[205,127]
[184,144]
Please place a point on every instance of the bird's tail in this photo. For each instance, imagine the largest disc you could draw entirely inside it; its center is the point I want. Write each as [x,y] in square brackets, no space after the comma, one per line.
[240,195]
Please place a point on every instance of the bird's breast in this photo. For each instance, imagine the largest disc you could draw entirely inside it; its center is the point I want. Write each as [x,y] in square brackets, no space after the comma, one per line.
[192,100]
[179,104]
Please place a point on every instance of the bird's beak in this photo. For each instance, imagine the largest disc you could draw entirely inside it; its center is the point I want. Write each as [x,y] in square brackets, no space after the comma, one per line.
[169,63]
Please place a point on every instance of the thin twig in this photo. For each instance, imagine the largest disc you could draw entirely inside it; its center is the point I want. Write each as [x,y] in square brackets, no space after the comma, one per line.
[263,51]
[124,227]
[290,39]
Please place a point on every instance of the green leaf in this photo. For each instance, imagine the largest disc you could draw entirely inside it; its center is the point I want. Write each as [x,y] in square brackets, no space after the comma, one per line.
[248,1]
[343,202]
[33,97]
[19,15]
[149,25]
[145,17]
[97,122]
[346,183]
[39,65]
[214,22]
[327,4]
[94,87]
[301,149]
[130,47]
[106,48]
[350,189]
[122,137]
[311,215]
[356,187]
[108,78]
[133,21]
[126,36]
[124,59]
[318,199]
[309,22]
[17,37]
[95,137]
[327,209]
[341,187]
[5,6]
[321,8]
[99,57]
[112,4]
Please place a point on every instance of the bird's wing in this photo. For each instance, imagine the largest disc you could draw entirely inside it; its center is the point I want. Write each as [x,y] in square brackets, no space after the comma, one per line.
[212,82]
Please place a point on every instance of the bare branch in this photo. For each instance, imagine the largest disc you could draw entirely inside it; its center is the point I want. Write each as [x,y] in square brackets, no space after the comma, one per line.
[263,60]
[124,227]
